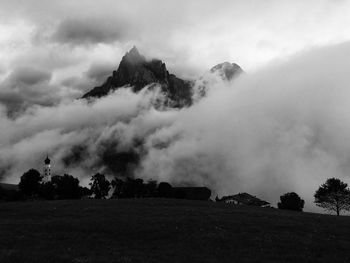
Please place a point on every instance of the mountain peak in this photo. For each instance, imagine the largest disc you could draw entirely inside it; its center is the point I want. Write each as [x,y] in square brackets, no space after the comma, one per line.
[134,50]
[227,70]
[134,70]
[134,56]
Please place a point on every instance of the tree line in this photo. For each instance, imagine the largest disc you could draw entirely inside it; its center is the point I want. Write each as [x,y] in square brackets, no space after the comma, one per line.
[333,195]
[32,186]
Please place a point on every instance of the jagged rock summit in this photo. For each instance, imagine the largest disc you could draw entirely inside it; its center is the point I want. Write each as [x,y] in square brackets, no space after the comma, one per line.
[137,72]
[227,71]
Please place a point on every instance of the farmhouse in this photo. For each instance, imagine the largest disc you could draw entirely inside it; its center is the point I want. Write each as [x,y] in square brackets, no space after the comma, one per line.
[244,199]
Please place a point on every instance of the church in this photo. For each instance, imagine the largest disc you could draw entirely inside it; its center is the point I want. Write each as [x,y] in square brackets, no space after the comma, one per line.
[47,169]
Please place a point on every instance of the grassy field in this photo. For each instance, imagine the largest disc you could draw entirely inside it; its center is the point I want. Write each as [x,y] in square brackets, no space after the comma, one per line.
[158,230]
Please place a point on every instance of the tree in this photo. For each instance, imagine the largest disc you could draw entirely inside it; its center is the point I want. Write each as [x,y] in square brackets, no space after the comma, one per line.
[132,188]
[66,187]
[165,190]
[100,186]
[47,191]
[30,183]
[291,201]
[151,188]
[119,187]
[139,188]
[84,191]
[333,195]
[2,194]
[128,189]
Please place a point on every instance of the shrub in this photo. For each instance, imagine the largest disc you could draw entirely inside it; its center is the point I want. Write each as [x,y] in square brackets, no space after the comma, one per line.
[164,190]
[291,201]
[30,183]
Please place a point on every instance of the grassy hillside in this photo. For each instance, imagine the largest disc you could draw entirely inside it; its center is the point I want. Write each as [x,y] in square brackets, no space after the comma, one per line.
[156,230]
[11,187]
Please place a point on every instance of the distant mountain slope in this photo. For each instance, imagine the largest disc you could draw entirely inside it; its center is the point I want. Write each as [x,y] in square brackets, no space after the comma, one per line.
[223,72]
[227,71]
[136,71]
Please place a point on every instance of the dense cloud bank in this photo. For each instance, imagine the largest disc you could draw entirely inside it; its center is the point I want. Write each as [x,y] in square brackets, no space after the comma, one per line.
[65,48]
[284,128]
[65,37]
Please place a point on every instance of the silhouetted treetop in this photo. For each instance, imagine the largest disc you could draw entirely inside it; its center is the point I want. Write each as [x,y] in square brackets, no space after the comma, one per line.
[291,201]
[333,195]
[30,182]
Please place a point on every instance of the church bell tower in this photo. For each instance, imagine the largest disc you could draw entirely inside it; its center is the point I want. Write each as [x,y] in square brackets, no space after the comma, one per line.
[47,169]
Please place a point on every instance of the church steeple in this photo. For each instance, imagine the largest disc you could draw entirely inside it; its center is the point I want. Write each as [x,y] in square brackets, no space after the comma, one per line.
[47,160]
[47,169]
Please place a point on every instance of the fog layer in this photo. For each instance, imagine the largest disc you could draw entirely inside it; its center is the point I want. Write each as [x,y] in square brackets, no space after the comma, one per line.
[284,128]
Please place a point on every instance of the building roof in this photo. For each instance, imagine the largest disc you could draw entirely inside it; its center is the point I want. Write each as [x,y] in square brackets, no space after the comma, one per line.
[245,199]
[47,160]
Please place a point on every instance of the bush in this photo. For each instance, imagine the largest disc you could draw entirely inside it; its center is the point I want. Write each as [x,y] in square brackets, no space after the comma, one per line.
[84,192]
[47,191]
[100,186]
[151,188]
[66,187]
[164,190]
[291,201]
[133,188]
[30,183]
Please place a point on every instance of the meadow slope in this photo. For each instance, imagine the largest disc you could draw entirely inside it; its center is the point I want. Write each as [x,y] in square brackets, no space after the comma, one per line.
[160,230]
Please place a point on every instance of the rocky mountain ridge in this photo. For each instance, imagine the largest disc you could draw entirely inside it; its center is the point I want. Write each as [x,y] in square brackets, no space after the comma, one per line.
[137,72]
[227,71]
[134,70]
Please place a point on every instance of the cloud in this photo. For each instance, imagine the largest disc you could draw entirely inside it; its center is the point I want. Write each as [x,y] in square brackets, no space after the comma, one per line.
[28,86]
[281,128]
[95,75]
[89,31]
[284,128]
[29,76]
[100,71]
[190,36]
[82,136]
[25,86]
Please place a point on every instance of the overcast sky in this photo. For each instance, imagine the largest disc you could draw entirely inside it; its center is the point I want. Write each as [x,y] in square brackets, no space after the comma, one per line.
[65,39]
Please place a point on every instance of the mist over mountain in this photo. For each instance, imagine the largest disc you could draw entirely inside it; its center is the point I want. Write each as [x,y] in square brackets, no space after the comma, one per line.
[137,72]
[280,129]
[223,72]
[111,124]
[226,70]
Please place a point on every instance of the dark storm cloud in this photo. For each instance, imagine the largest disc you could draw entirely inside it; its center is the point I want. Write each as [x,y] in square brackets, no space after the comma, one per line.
[89,31]
[25,86]
[189,35]
[28,86]
[29,76]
